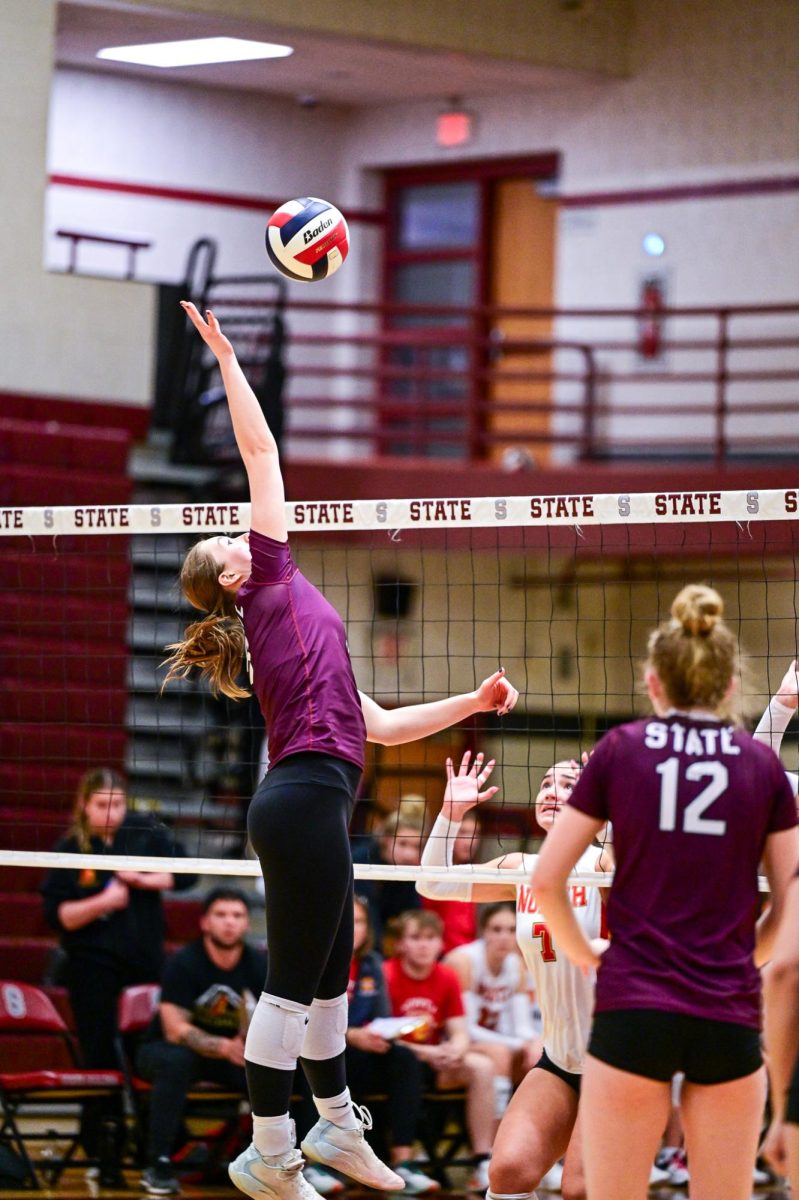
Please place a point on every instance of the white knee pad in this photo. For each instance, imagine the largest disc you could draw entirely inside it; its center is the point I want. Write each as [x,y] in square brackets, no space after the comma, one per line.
[325,1036]
[276,1031]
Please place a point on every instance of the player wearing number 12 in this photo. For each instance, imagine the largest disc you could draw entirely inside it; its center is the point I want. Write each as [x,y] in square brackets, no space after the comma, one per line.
[696,806]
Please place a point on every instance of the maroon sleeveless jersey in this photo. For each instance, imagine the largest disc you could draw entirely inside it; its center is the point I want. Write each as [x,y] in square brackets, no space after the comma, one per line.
[299,663]
[692,802]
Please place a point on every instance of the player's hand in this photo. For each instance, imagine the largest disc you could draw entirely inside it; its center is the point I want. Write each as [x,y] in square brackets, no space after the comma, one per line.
[135,879]
[496,692]
[788,691]
[463,790]
[234,1050]
[116,895]
[449,1056]
[365,1039]
[210,331]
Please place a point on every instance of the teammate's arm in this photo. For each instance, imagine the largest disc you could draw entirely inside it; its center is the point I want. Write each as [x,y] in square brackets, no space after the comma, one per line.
[568,840]
[395,726]
[254,439]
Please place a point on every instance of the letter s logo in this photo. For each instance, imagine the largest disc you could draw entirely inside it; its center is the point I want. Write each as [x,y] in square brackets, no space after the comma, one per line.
[155,517]
[49,519]
[624,505]
[500,510]
[382,512]
[752,502]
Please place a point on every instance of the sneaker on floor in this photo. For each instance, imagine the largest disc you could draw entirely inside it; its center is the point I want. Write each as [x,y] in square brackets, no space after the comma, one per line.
[271,1177]
[761,1177]
[348,1151]
[416,1182]
[159,1179]
[658,1175]
[674,1162]
[322,1181]
[478,1180]
[552,1180]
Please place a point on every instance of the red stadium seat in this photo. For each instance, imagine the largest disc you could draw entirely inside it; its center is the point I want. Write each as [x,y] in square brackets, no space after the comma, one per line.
[75,662]
[25,958]
[24,913]
[49,1074]
[182,919]
[22,879]
[76,569]
[38,830]
[39,785]
[71,617]
[51,485]
[63,743]
[50,443]
[63,703]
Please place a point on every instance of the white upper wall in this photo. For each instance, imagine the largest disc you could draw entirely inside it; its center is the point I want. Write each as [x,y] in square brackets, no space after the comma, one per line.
[712,98]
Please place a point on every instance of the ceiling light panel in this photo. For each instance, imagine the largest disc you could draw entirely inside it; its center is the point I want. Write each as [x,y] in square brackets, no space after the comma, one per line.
[195,52]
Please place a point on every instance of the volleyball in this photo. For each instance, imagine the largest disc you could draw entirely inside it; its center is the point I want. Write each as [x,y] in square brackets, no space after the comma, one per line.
[307,239]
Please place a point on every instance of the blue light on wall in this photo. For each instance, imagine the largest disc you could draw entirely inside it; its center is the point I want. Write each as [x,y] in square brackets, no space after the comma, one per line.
[653,245]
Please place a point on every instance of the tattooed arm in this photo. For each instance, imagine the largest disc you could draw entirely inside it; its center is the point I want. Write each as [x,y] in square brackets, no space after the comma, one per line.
[178,1029]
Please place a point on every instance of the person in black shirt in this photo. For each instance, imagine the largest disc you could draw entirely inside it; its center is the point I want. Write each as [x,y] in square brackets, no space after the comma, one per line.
[208,991]
[111,923]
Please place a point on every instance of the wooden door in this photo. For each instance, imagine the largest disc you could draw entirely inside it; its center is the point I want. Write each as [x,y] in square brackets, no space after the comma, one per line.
[522,270]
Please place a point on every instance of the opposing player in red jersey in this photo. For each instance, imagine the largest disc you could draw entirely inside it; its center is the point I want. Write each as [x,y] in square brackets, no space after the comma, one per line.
[696,806]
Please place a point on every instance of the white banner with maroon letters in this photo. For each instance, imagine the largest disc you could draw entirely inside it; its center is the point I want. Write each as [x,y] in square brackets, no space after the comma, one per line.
[625,508]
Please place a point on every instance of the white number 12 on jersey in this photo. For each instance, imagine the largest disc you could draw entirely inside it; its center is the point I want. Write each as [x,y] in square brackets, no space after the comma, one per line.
[692,819]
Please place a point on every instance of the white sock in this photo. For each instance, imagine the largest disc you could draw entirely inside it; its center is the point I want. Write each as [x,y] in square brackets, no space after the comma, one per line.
[338,1109]
[272,1135]
[510,1195]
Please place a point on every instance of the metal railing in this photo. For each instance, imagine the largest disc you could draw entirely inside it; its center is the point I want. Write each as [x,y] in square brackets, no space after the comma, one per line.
[538,386]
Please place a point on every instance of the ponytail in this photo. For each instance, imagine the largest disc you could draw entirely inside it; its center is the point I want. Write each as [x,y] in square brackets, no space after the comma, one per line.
[215,644]
[695,654]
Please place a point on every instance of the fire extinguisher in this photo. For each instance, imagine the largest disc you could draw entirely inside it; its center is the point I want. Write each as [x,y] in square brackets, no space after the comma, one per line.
[650,325]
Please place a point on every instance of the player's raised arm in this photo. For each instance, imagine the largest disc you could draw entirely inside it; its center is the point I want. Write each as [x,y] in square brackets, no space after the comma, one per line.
[254,438]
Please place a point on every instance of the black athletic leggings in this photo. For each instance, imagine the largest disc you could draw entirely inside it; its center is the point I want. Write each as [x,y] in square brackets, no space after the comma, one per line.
[298,825]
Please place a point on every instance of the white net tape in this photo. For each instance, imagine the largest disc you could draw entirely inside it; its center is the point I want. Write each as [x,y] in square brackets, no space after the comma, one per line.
[612,508]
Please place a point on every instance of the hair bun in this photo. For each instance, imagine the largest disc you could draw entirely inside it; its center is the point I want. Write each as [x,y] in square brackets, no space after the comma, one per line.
[698,609]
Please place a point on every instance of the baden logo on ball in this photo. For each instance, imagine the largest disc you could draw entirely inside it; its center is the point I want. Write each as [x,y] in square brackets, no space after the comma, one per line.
[307,239]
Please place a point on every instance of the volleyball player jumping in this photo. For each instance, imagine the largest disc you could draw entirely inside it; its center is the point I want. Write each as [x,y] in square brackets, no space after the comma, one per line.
[696,806]
[317,724]
[540,1123]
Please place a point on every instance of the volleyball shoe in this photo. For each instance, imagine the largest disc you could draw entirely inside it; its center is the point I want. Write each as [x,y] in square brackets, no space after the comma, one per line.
[271,1177]
[347,1151]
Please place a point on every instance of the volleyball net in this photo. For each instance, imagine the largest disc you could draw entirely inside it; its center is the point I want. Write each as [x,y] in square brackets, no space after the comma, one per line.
[435,594]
